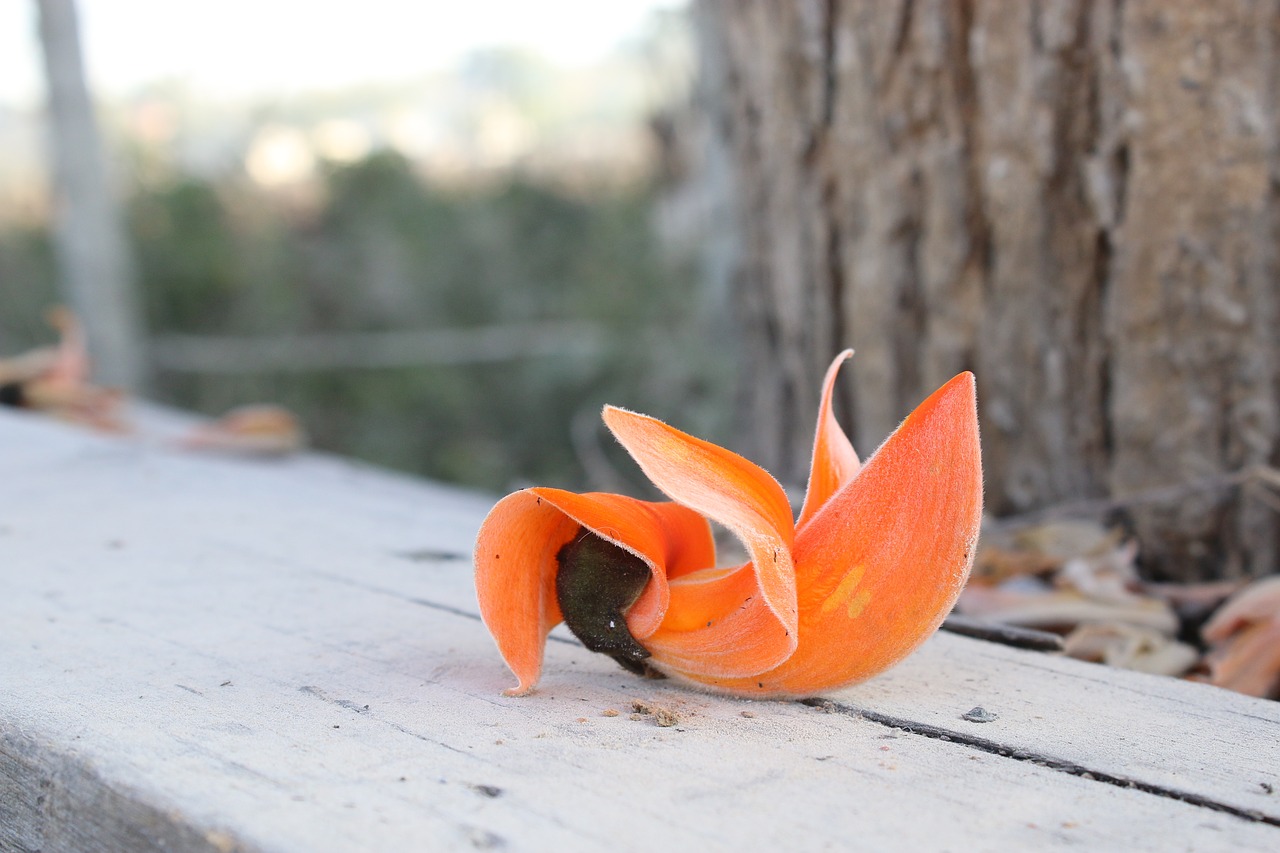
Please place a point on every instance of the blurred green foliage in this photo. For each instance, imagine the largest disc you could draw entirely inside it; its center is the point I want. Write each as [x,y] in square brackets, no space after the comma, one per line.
[375,248]
[27,287]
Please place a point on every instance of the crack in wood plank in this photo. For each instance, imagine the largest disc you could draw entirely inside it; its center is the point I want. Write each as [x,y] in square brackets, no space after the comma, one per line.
[1048,762]
[1005,635]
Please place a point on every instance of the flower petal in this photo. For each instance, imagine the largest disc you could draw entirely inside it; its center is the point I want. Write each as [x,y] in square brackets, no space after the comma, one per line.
[879,566]
[834,460]
[672,539]
[743,497]
[719,626]
[516,568]
[516,563]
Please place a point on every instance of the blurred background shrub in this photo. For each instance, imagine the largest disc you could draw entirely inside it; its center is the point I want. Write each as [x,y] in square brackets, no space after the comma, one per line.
[457,271]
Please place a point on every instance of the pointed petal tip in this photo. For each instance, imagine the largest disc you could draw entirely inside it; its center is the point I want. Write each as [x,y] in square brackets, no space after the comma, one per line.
[616,418]
[834,461]
[963,379]
[614,414]
[841,357]
[958,395]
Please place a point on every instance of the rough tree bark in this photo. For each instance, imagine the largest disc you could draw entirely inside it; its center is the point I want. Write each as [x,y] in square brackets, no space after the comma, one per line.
[1076,200]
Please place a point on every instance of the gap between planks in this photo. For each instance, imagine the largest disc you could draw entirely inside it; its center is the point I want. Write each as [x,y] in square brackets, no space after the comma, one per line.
[1070,768]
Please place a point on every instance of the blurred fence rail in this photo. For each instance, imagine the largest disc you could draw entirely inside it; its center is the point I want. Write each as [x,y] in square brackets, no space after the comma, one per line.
[404,348]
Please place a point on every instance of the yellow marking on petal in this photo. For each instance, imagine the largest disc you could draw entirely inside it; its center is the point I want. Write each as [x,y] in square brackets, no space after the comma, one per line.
[844,591]
[857,603]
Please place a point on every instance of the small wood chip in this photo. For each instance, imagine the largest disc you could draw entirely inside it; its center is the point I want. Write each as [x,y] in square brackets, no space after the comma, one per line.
[980,715]
[609,712]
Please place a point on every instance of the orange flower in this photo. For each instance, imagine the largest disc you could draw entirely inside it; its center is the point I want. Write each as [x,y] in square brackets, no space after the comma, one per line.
[866,574]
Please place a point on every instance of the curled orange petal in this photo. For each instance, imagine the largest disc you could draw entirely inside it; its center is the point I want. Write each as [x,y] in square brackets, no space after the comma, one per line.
[516,560]
[671,539]
[834,460]
[882,562]
[725,488]
[516,567]
[719,626]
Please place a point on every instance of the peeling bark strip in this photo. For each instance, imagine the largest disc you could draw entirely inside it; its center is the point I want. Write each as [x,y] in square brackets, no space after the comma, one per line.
[1075,199]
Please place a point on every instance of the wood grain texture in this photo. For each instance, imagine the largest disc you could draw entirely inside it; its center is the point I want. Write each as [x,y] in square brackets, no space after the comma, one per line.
[1076,200]
[209,654]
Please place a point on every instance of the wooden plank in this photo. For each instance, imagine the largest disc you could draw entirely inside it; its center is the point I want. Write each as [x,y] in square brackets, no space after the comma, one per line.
[206,653]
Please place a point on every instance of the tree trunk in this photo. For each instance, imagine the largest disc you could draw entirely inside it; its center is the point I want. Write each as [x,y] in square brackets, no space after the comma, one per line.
[92,250]
[1076,200]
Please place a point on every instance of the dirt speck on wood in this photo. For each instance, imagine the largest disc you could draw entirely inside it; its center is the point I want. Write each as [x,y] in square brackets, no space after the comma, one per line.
[662,716]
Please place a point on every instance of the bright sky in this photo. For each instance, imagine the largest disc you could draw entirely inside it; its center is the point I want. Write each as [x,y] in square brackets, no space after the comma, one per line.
[244,46]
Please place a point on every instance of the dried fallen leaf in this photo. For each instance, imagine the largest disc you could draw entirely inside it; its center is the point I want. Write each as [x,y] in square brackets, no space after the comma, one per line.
[1039,549]
[1110,575]
[1244,640]
[55,381]
[1062,609]
[1067,538]
[1131,647]
[258,430]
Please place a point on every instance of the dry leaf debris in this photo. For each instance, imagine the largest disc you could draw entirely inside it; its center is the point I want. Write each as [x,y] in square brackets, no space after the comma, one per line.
[262,429]
[55,381]
[1244,641]
[1079,579]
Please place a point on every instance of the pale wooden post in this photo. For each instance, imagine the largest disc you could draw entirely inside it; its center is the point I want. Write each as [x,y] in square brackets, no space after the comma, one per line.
[92,249]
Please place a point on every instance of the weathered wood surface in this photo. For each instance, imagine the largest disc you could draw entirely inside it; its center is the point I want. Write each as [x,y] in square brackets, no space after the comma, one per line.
[200,653]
